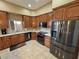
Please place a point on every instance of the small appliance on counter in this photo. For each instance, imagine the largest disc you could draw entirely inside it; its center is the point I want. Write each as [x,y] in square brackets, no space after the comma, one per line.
[4,31]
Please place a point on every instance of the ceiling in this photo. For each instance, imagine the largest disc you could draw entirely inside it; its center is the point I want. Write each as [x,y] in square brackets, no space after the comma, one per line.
[30,4]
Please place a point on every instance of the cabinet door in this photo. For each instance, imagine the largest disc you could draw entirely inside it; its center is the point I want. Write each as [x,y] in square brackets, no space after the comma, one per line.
[21,38]
[27,21]
[14,39]
[47,41]
[30,22]
[49,16]
[34,35]
[72,11]
[6,42]
[25,18]
[35,22]
[77,0]
[1,44]
[3,20]
[59,14]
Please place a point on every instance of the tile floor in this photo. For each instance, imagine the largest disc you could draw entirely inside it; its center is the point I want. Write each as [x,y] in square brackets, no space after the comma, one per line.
[32,50]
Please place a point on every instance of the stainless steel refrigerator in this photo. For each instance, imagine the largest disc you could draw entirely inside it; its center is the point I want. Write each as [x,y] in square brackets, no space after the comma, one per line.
[64,35]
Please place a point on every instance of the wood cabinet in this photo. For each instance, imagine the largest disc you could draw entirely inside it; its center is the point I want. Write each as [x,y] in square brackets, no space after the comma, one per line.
[33,35]
[21,38]
[6,42]
[14,39]
[49,23]
[72,11]
[67,11]
[59,14]
[1,44]
[47,41]
[18,38]
[27,21]
[45,17]
[3,20]
[35,22]
[77,0]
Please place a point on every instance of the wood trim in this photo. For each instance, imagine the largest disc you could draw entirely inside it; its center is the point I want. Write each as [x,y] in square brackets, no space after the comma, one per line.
[44,14]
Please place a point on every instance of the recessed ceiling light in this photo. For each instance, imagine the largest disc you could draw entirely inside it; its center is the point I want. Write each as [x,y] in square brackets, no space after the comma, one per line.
[29,5]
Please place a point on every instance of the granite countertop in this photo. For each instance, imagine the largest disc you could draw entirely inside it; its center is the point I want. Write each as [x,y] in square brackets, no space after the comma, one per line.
[48,34]
[14,33]
[26,31]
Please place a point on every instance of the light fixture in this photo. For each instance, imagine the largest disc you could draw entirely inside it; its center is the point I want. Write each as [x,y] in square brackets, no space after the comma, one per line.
[29,5]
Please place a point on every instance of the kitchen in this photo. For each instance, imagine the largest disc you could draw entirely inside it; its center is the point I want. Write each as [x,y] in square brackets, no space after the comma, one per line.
[27,26]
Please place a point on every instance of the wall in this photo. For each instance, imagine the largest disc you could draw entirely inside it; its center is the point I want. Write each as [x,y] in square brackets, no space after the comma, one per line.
[45,9]
[19,10]
[14,9]
[49,7]
[56,3]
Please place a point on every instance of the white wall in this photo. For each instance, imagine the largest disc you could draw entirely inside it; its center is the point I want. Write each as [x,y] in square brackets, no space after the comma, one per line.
[47,8]
[13,8]
[56,3]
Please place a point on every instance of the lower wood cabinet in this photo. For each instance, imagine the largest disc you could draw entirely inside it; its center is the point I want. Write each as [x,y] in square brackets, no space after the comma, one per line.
[47,41]
[6,42]
[18,38]
[21,38]
[1,44]
[33,35]
[14,39]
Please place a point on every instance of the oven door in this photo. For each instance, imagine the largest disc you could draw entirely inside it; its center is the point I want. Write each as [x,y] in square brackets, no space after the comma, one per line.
[40,39]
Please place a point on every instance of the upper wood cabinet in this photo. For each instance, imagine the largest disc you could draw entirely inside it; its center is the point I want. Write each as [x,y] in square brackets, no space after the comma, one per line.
[3,20]
[49,16]
[59,13]
[6,42]
[35,22]
[77,0]
[45,17]
[68,11]
[27,21]
[72,11]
